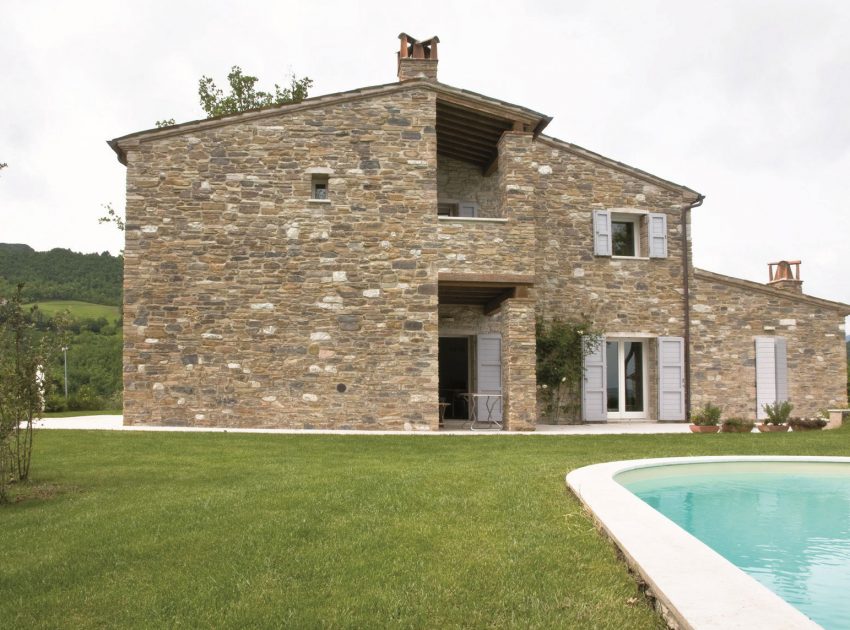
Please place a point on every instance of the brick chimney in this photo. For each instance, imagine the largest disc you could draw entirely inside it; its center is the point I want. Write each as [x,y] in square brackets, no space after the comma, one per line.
[417,60]
[783,276]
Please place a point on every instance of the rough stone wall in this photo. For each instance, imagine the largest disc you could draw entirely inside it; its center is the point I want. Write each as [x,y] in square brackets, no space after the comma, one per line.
[641,297]
[519,376]
[459,319]
[246,304]
[462,181]
[504,245]
[726,318]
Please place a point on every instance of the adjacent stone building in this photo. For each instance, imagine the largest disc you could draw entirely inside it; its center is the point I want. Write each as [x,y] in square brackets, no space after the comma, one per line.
[371,259]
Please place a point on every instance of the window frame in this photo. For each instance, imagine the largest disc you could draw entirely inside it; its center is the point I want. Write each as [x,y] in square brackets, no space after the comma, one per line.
[637,221]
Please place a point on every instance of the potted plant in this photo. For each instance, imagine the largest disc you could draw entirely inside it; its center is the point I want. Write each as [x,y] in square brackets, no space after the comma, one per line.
[736,425]
[777,416]
[807,424]
[706,419]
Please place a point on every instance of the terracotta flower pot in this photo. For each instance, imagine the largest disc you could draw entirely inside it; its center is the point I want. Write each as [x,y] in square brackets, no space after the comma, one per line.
[772,428]
[705,428]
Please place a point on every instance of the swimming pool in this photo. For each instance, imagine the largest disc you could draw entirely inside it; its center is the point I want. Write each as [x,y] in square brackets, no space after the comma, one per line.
[786,524]
[792,535]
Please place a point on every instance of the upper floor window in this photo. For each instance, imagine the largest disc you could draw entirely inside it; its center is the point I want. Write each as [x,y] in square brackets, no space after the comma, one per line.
[629,234]
[625,235]
[457,209]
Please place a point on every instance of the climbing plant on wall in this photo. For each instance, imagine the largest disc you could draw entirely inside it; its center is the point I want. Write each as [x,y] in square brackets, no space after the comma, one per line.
[561,348]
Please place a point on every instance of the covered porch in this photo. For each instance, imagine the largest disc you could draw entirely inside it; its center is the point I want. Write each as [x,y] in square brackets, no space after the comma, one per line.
[486,351]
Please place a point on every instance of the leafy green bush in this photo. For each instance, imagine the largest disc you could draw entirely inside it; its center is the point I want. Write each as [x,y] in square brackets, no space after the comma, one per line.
[561,349]
[737,425]
[709,415]
[778,412]
[807,424]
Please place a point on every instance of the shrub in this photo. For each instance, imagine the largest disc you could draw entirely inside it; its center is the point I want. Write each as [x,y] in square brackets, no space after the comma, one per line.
[709,415]
[737,425]
[807,424]
[778,412]
[561,349]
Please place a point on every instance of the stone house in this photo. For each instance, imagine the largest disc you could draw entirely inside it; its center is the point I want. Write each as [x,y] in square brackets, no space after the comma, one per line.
[355,259]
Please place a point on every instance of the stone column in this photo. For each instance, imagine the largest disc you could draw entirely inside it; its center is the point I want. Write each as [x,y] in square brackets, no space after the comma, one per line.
[519,377]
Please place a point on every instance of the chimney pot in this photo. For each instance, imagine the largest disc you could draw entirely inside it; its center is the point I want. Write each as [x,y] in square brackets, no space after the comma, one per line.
[781,275]
[417,59]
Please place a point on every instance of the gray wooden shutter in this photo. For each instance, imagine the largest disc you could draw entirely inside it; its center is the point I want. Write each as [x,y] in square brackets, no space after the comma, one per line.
[489,370]
[781,357]
[765,374]
[671,378]
[594,395]
[601,232]
[657,235]
[467,209]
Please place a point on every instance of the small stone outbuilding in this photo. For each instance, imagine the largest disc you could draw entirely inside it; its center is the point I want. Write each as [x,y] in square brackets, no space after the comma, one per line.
[370,259]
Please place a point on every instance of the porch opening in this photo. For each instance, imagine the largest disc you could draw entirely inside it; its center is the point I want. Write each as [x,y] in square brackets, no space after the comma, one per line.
[456,378]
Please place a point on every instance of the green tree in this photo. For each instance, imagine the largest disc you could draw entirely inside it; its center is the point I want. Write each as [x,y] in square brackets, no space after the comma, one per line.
[25,352]
[111,215]
[244,95]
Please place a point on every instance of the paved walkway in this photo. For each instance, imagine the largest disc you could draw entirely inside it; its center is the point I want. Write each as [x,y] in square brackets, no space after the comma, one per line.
[114,423]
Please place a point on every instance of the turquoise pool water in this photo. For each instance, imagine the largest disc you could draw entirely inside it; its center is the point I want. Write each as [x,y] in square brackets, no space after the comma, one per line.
[786,524]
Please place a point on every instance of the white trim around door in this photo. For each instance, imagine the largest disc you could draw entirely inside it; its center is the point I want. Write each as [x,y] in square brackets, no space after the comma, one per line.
[626,378]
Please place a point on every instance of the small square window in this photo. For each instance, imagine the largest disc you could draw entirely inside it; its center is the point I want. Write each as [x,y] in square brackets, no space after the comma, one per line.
[319,187]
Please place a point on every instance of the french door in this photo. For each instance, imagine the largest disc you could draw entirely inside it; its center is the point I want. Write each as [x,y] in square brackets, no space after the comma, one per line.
[625,364]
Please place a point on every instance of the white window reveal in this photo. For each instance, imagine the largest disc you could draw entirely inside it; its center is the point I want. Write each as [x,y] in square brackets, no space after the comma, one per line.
[319,183]
[771,372]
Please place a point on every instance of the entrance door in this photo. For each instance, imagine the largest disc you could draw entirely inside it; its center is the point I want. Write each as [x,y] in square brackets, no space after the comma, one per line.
[625,362]
[454,373]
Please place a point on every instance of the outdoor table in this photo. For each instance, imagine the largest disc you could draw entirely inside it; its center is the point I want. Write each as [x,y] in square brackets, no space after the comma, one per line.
[491,403]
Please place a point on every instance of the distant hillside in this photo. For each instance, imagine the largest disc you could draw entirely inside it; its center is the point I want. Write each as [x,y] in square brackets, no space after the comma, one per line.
[61,274]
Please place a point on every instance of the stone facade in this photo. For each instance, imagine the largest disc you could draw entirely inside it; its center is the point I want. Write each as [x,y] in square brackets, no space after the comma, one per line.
[249,303]
[728,314]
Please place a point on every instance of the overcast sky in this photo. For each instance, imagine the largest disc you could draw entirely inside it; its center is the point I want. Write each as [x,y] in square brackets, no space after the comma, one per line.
[747,102]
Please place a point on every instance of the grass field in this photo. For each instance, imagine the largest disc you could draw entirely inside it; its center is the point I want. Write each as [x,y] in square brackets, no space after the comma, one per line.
[148,530]
[80,310]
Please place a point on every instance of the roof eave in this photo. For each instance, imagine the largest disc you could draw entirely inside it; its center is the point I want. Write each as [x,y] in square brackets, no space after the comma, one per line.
[535,119]
[840,307]
[622,167]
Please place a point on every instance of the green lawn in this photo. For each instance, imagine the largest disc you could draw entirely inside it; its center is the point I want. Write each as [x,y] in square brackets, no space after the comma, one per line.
[151,530]
[79,310]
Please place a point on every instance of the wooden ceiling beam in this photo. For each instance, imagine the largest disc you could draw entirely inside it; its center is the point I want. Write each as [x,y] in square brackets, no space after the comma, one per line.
[496,303]
[484,153]
[486,125]
[478,158]
[465,139]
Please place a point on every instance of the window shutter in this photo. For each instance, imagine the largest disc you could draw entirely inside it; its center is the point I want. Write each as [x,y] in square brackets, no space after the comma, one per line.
[671,378]
[781,353]
[594,397]
[657,235]
[489,370]
[765,374]
[601,232]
